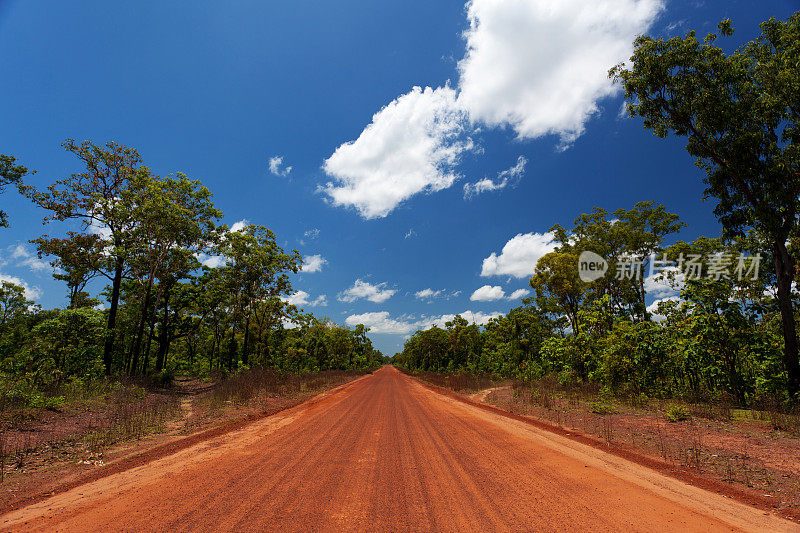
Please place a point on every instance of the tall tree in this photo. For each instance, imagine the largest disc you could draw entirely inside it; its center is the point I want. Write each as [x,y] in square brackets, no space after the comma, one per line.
[99,198]
[256,270]
[175,223]
[740,113]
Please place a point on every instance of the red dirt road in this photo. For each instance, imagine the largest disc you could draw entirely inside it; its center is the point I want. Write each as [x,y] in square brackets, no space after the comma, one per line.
[384,453]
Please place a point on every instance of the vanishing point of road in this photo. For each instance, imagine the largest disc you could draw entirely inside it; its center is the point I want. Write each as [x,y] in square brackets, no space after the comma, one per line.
[385,453]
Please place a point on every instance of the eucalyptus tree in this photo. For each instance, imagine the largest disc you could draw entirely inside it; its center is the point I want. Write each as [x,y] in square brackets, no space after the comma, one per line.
[96,197]
[558,289]
[13,303]
[739,112]
[176,223]
[256,269]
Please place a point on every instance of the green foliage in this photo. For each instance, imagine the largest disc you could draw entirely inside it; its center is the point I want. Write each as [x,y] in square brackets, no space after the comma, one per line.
[721,340]
[740,117]
[168,313]
[10,173]
[601,408]
[677,413]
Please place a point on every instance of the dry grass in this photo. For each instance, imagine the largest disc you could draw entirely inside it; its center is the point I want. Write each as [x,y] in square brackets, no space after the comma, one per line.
[757,448]
[32,439]
[458,381]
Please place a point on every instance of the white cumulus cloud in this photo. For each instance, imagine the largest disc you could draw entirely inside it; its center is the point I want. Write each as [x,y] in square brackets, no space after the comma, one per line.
[519,255]
[411,146]
[31,293]
[666,283]
[239,226]
[313,263]
[301,298]
[519,293]
[383,322]
[488,293]
[541,66]
[537,66]
[212,261]
[363,289]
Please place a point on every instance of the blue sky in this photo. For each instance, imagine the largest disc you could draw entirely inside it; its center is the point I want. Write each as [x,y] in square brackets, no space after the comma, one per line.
[517,130]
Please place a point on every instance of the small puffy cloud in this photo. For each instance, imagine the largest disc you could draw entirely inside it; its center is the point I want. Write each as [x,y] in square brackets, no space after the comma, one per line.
[312,234]
[519,255]
[488,293]
[507,177]
[239,226]
[276,166]
[518,294]
[31,293]
[212,261]
[425,294]
[302,298]
[411,146]
[480,318]
[22,257]
[313,263]
[363,289]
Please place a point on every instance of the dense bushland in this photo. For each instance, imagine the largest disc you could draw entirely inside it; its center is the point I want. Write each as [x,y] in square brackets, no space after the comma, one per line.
[705,339]
[174,291]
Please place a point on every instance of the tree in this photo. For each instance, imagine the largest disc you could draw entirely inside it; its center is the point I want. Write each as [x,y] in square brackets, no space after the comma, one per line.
[78,259]
[740,114]
[256,270]
[558,288]
[97,198]
[9,174]
[13,303]
[175,223]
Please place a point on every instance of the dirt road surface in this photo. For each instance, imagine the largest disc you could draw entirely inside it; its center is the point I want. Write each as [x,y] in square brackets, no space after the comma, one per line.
[384,453]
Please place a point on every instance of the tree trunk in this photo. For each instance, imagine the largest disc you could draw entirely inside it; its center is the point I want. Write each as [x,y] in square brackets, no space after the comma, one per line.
[245,355]
[232,347]
[163,336]
[784,273]
[137,343]
[152,328]
[108,349]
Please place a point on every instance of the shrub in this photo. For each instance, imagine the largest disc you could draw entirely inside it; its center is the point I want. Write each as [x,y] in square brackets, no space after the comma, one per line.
[677,413]
[601,408]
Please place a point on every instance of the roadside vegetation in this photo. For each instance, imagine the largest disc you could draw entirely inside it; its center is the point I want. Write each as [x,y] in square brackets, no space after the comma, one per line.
[721,322]
[157,290]
[694,359]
